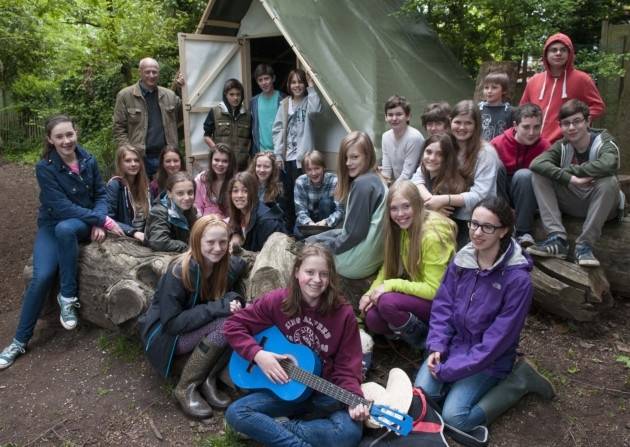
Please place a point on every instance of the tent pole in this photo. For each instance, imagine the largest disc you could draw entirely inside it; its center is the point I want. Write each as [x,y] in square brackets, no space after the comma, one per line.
[313,74]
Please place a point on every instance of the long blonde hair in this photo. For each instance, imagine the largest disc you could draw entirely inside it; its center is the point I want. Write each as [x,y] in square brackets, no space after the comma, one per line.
[393,264]
[215,286]
[363,142]
[273,187]
[140,187]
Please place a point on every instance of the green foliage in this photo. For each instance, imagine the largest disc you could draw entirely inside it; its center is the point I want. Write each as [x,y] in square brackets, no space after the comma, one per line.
[601,64]
[120,347]
[623,359]
[228,439]
[499,30]
[73,56]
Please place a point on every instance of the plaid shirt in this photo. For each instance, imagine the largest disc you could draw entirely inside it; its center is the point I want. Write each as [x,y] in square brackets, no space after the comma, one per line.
[314,203]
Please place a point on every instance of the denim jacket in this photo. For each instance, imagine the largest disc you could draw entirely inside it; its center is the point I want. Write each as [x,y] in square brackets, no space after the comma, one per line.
[66,195]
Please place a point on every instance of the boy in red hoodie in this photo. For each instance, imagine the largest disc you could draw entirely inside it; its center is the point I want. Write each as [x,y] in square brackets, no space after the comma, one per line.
[517,147]
[558,83]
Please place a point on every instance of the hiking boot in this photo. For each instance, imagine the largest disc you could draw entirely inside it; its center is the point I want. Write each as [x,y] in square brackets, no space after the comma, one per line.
[525,240]
[68,314]
[10,353]
[552,247]
[523,379]
[584,256]
[413,332]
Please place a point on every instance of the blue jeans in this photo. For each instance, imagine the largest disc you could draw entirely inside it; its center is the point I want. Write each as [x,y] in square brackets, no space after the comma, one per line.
[151,164]
[56,248]
[460,398]
[254,416]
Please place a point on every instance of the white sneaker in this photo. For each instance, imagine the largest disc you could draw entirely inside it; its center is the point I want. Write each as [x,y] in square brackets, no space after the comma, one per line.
[525,240]
[10,353]
[68,315]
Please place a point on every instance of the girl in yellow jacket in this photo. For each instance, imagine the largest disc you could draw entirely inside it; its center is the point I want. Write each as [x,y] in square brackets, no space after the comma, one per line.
[418,246]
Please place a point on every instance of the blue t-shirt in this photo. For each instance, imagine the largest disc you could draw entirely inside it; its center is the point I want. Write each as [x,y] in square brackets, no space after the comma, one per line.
[267,108]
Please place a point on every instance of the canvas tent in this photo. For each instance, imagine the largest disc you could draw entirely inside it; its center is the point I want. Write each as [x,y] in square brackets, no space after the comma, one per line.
[359,52]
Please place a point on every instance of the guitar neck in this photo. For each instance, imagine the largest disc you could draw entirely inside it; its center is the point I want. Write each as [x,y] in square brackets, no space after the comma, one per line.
[323,386]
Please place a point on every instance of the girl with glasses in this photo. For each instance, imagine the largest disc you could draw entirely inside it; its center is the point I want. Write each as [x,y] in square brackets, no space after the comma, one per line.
[476,320]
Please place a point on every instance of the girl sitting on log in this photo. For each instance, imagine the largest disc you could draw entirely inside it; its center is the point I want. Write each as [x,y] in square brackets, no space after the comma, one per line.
[73,209]
[476,320]
[170,220]
[187,313]
[270,192]
[314,195]
[128,193]
[312,312]
[358,246]
[170,162]
[478,164]
[418,246]
[251,221]
[212,194]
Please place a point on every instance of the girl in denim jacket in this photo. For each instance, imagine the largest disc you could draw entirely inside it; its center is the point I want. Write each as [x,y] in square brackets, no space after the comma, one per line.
[73,209]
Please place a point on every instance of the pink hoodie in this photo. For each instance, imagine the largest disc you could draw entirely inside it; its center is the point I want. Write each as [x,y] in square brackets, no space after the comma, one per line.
[550,93]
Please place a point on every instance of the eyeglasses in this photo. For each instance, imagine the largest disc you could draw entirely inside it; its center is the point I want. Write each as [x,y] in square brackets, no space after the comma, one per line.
[485,228]
[575,123]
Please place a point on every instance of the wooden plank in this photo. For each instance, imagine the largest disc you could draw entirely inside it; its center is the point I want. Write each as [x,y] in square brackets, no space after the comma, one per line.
[204,17]
[223,24]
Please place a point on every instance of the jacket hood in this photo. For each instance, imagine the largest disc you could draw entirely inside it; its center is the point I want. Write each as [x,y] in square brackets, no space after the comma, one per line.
[565,40]
[233,111]
[513,258]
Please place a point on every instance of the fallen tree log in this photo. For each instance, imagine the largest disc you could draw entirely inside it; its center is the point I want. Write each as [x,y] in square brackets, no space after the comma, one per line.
[612,250]
[117,279]
[569,291]
[272,267]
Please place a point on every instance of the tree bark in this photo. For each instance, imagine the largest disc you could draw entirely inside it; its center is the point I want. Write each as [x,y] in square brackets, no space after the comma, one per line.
[272,267]
[117,279]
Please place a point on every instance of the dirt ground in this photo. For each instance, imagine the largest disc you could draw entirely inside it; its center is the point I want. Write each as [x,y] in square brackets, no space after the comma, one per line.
[91,387]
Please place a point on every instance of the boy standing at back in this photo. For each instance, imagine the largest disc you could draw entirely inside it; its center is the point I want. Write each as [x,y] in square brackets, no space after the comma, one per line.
[496,112]
[401,145]
[263,108]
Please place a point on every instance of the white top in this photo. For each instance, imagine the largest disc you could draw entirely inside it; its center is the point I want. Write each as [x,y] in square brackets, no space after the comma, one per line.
[401,156]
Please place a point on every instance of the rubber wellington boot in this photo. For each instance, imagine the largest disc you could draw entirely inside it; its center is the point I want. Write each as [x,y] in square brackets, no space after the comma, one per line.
[209,389]
[523,379]
[193,374]
[413,332]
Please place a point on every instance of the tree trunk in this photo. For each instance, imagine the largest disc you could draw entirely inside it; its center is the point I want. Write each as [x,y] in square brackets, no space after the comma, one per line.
[117,279]
[612,250]
[570,291]
[272,267]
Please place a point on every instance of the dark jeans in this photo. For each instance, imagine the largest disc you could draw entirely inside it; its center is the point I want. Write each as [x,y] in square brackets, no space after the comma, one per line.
[56,248]
[254,415]
[151,164]
[517,189]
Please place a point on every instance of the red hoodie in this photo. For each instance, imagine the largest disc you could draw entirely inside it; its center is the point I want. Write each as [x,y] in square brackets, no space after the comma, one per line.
[550,93]
[515,155]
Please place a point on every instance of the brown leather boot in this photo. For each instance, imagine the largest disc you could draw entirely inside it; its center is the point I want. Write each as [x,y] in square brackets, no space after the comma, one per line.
[209,389]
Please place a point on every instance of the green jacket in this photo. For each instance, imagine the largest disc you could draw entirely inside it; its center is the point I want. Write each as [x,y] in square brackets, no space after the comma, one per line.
[131,121]
[235,131]
[163,233]
[438,247]
[603,159]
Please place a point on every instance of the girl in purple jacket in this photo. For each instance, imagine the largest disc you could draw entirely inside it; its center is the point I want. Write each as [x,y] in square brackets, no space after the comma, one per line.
[477,317]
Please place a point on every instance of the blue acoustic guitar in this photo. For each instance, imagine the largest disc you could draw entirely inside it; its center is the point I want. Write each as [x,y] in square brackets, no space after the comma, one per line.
[303,368]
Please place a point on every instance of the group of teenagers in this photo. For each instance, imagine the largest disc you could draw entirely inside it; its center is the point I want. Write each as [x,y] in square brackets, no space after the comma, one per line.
[444,222]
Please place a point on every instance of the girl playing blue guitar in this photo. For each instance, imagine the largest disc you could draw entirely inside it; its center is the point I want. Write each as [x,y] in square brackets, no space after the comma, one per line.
[311,312]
